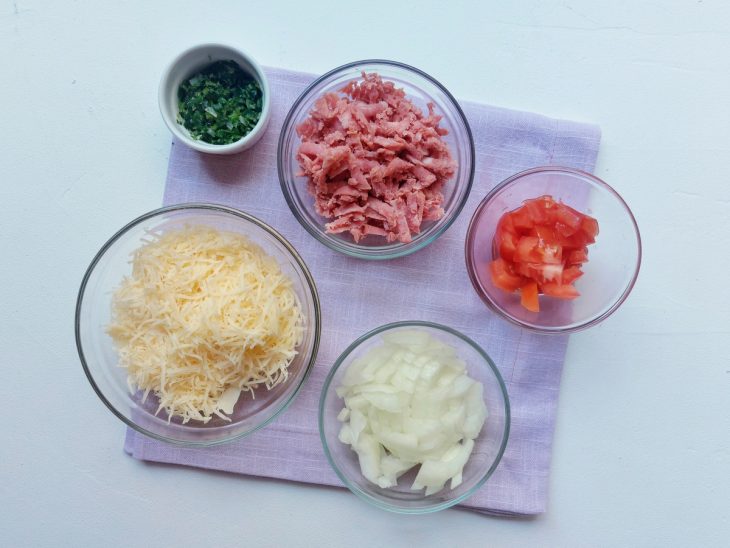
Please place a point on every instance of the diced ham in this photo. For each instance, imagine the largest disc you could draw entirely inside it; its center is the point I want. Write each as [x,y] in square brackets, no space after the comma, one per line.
[348,208]
[393,144]
[383,210]
[372,230]
[424,175]
[312,150]
[336,160]
[334,138]
[308,129]
[374,162]
[397,167]
[347,190]
[402,228]
[415,202]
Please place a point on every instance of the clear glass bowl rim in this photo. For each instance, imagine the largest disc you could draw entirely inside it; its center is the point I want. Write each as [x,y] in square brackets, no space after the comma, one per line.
[210,207]
[471,268]
[333,371]
[355,250]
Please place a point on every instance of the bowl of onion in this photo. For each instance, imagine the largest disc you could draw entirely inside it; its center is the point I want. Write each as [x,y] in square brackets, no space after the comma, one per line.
[414,417]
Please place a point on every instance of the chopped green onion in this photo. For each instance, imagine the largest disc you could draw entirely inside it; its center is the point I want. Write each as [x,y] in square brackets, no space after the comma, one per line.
[219,105]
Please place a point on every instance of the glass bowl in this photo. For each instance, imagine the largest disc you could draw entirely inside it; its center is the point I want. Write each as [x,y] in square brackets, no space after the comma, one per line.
[613,260]
[421,89]
[489,445]
[99,358]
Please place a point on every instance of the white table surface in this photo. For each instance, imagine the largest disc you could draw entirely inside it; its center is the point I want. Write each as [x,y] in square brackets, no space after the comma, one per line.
[642,447]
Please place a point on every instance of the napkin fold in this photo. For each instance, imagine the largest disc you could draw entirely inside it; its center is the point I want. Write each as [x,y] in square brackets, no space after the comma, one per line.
[356,295]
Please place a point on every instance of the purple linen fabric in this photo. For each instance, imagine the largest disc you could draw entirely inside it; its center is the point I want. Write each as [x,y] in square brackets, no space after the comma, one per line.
[431,284]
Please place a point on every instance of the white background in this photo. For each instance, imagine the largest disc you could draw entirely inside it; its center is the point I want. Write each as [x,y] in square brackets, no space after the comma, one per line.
[642,448]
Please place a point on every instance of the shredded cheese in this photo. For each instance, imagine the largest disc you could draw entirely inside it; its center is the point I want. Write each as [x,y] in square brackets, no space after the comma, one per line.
[204,316]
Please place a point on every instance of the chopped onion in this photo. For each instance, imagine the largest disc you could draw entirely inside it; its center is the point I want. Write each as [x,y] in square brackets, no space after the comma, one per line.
[411,402]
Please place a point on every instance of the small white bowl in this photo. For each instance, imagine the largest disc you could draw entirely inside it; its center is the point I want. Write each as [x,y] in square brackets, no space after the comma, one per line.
[193,61]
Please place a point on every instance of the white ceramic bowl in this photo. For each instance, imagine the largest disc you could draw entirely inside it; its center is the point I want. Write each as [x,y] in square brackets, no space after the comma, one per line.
[194,60]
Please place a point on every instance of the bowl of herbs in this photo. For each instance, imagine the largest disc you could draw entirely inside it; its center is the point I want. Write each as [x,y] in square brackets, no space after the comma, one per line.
[215,99]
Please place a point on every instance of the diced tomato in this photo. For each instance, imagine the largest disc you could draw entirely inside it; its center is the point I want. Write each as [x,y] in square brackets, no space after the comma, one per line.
[589,226]
[550,234]
[561,291]
[548,202]
[571,274]
[578,240]
[522,221]
[579,256]
[506,224]
[551,272]
[573,211]
[540,248]
[529,298]
[542,210]
[503,277]
[535,211]
[506,243]
[540,272]
[544,233]
[564,230]
[527,251]
[551,253]
[531,249]
[568,217]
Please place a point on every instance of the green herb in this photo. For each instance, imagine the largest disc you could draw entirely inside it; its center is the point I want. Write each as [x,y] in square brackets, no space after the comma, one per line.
[219,105]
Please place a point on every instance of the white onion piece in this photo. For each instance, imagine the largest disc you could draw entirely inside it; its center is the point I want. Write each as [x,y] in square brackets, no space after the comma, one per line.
[411,402]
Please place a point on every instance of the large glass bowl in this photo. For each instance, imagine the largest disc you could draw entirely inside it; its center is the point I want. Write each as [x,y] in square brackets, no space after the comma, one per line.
[613,260]
[99,358]
[488,446]
[421,89]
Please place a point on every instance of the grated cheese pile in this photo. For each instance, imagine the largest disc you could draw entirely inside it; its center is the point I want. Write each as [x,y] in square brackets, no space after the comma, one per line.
[204,316]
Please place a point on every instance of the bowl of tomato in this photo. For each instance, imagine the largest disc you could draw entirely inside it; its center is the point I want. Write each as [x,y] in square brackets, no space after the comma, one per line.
[553,249]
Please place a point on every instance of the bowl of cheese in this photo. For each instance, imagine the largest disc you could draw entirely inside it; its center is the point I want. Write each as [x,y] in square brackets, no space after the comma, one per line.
[197,324]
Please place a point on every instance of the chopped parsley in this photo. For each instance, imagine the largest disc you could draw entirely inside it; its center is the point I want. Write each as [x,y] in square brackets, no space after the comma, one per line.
[220,104]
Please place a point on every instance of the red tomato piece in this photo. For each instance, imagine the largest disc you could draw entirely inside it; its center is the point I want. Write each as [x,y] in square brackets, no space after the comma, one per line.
[542,210]
[579,256]
[527,251]
[506,224]
[571,274]
[531,249]
[539,272]
[535,211]
[568,217]
[551,253]
[503,277]
[578,240]
[551,235]
[506,244]
[561,291]
[539,248]
[589,227]
[564,230]
[522,221]
[529,297]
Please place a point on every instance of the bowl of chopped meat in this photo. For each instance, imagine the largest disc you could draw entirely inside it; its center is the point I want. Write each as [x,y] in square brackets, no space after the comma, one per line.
[376,159]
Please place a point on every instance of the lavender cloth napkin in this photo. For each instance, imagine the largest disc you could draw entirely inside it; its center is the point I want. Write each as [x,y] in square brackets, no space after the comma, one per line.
[357,296]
